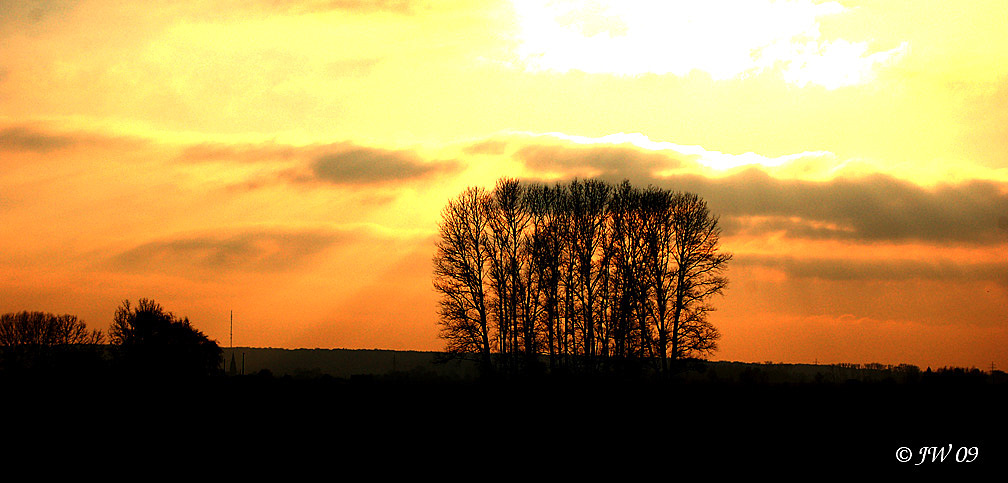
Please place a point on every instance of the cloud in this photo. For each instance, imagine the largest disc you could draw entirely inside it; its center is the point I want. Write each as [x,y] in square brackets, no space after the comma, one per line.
[867,207]
[21,138]
[489,146]
[41,139]
[335,163]
[792,226]
[636,149]
[842,270]
[356,165]
[870,208]
[839,63]
[252,251]
[349,164]
[597,161]
[642,37]
[19,14]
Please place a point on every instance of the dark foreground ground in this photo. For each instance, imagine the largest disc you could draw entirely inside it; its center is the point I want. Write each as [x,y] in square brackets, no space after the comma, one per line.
[543,427]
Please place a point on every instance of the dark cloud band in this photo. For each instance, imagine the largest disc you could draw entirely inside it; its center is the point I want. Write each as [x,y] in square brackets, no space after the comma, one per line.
[20,138]
[359,165]
[873,208]
[750,202]
[876,270]
[260,251]
[607,161]
[336,163]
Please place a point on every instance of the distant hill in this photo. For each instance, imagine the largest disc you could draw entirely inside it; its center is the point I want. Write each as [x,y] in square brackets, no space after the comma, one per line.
[343,363]
[346,363]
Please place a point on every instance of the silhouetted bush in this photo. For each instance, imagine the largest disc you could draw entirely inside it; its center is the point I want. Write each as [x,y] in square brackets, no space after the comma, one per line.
[955,376]
[149,340]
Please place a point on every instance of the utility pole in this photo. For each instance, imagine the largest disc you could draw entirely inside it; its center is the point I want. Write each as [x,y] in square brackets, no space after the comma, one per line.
[231,369]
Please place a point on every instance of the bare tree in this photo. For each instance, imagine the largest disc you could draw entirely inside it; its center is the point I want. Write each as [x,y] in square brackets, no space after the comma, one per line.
[41,341]
[461,266]
[631,336]
[699,273]
[696,337]
[589,199]
[509,221]
[539,297]
[581,271]
[659,242]
[45,330]
[549,214]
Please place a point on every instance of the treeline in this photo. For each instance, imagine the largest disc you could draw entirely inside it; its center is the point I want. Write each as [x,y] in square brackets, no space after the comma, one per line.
[583,273]
[41,329]
[39,342]
[144,340]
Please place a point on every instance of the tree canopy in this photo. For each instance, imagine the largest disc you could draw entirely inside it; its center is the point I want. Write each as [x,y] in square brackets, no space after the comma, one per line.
[152,340]
[45,330]
[41,341]
[580,272]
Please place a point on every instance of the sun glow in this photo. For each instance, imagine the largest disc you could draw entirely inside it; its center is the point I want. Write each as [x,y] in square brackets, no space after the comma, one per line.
[724,38]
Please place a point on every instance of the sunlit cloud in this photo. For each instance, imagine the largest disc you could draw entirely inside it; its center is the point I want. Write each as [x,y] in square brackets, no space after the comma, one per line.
[819,165]
[835,64]
[725,39]
[700,156]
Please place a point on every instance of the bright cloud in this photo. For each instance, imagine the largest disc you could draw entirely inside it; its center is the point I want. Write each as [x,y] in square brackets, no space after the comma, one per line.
[724,38]
[837,63]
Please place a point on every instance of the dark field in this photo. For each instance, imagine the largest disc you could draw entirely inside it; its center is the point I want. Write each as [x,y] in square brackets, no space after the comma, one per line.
[746,416]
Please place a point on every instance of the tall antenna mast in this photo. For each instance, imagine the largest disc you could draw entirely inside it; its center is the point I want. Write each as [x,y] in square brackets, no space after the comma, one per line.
[231,331]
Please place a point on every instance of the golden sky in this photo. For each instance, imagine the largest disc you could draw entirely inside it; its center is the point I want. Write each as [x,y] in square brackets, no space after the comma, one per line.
[289,160]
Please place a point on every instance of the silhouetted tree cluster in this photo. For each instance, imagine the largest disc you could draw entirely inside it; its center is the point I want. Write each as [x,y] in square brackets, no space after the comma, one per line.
[152,341]
[956,375]
[45,330]
[581,272]
[40,341]
[145,340]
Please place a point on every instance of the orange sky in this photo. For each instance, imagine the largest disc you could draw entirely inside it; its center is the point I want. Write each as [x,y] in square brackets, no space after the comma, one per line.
[289,160]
